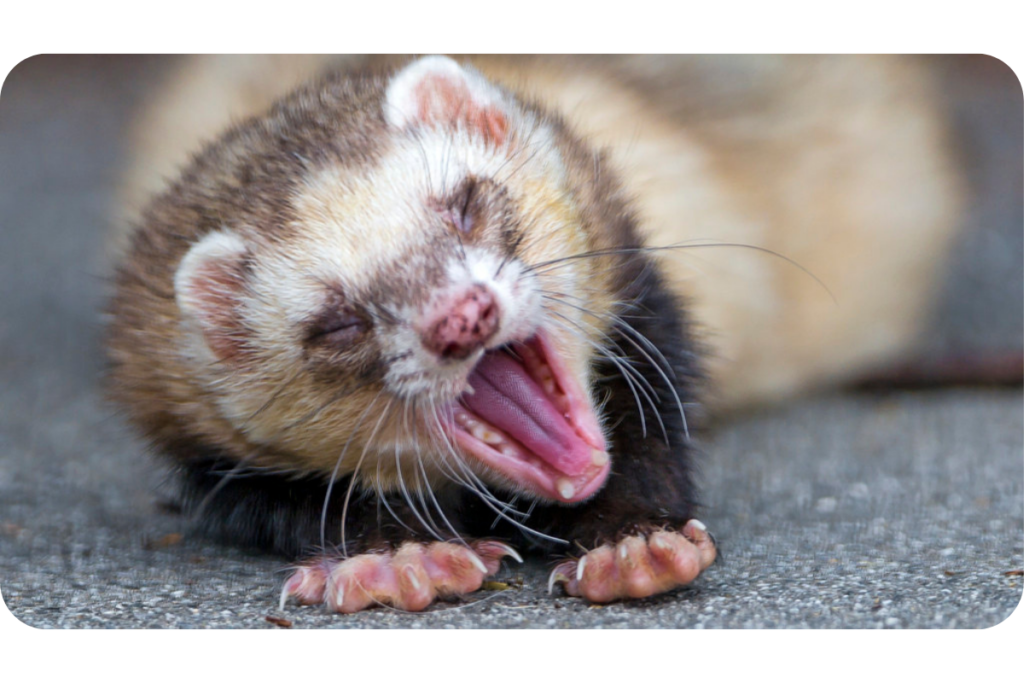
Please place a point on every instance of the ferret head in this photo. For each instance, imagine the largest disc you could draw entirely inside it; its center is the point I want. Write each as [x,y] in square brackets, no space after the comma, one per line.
[383,278]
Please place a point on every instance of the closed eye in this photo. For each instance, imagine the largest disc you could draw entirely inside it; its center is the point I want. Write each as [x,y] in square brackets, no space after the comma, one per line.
[339,324]
[458,209]
[343,330]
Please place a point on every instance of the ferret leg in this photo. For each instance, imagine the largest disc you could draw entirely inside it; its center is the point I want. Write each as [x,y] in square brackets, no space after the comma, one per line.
[640,529]
[391,560]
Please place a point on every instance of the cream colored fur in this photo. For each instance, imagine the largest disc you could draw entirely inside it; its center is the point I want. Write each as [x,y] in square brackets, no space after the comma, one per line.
[836,163]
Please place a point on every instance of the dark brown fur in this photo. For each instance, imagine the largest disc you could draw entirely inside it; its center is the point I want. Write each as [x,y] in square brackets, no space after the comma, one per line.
[243,182]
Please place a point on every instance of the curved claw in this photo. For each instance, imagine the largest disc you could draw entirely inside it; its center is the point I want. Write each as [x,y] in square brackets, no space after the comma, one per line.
[492,553]
[562,573]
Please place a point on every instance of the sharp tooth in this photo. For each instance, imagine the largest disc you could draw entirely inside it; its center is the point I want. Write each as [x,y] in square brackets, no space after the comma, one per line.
[486,435]
[509,451]
[549,385]
[467,422]
[599,458]
[565,488]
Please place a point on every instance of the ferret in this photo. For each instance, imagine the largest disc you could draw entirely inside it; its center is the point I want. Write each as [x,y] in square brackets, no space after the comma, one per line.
[399,319]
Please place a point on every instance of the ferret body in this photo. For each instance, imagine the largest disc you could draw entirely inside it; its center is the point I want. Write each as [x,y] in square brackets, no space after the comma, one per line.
[414,296]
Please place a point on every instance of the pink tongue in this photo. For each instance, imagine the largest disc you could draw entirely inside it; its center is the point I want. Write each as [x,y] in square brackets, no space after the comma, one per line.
[507,397]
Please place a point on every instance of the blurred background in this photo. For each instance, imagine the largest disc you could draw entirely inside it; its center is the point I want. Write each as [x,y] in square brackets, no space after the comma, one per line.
[84,540]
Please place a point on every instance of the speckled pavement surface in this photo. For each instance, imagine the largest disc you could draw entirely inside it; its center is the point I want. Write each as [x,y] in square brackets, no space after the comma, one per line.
[863,510]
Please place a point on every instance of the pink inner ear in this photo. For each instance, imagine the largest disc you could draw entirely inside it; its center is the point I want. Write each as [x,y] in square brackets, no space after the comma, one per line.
[214,293]
[444,101]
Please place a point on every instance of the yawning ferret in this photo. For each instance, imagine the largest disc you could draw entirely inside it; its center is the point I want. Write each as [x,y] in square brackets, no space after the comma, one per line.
[378,311]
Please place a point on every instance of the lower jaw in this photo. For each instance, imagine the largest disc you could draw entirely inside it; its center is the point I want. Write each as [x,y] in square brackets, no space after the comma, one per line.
[531,475]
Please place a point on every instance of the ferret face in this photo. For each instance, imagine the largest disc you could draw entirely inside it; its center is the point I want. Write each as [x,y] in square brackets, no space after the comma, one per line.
[419,319]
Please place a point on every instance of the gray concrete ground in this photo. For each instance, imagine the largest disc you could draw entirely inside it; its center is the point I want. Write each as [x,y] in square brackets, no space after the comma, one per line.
[862,510]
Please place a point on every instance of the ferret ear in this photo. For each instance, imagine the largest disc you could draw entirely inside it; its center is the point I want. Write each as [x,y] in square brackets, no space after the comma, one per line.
[437,91]
[209,286]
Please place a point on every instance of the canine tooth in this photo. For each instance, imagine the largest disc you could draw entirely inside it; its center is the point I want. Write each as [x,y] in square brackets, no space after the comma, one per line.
[565,488]
[549,385]
[599,458]
[580,567]
[508,450]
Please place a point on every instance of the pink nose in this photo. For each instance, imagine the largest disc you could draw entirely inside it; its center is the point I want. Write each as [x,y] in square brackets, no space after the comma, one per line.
[463,324]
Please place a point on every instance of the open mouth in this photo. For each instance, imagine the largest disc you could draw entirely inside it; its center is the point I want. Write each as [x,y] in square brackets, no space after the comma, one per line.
[528,419]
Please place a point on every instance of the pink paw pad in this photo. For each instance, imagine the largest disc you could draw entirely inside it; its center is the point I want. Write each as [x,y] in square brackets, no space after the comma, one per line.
[638,567]
[409,578]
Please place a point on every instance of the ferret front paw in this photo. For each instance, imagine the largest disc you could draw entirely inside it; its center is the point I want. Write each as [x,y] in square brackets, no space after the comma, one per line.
[409,578]
[638,567]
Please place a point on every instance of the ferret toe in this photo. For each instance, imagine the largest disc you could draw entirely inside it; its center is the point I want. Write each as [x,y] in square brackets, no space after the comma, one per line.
[638,567]
[410,578]
[306,585]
